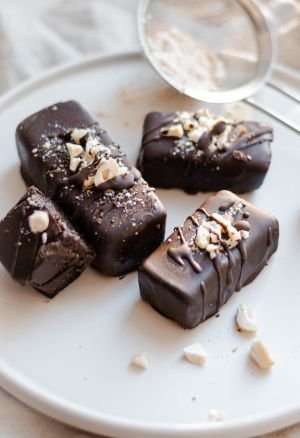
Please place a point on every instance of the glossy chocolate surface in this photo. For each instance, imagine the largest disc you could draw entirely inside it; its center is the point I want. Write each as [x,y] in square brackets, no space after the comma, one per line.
[48,260]
[121,217]
[124,227]
[41,141]
[183,282]
[228,155]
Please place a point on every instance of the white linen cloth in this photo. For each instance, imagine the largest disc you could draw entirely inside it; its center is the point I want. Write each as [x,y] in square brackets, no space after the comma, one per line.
[39,34]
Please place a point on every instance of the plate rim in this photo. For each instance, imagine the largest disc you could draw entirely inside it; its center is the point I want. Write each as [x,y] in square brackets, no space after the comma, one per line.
[71,413]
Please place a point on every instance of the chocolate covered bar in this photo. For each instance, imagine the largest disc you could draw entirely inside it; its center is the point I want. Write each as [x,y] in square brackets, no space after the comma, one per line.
[202,152]
[124,226]
[65,153]
[221,247]
[38,245]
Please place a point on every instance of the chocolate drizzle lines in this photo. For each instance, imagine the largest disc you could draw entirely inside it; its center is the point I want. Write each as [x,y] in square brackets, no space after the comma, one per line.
[226,206]
[182,252]
[204,142]
[150,139]
[253,138]
[182,239]
[169,118]
[194,220]
[241,247]
[204,295]
[217,265]
[219,128]
[243,251]
[204,211]
[250,139]
[242,225]
[229,276]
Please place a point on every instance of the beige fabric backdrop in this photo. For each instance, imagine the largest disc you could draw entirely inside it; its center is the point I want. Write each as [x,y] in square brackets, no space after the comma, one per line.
[38,34]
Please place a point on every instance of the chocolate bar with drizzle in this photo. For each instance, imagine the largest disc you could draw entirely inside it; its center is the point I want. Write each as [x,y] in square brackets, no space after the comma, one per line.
[66,153]
[202,152]
[40,246]
[219,249]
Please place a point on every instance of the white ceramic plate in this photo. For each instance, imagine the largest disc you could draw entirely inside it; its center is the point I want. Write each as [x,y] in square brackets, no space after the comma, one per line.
[69,357]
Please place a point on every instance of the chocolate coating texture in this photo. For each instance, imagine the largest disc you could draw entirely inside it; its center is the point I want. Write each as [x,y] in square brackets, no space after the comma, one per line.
[121,217]
[123,226]
[42,145]
[228,155]
[185,284]
[49,261]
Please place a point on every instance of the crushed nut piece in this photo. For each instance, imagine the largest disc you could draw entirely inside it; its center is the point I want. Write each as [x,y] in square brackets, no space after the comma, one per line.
[107,170]
[74,163]
[93,147]
[214,228]
[202,238]
[239,156]
[183,115]
[78,134]
[173,131]
[195,354]
[223,138]
[189,124]
[244,319]
[222,234]
[94,150]
[212,148]
[234,236]
[223,220]
[196,134]
[261,355]
[207,122]
[244,234]
[38,221]
[74,149]
[213,250]
[141,360]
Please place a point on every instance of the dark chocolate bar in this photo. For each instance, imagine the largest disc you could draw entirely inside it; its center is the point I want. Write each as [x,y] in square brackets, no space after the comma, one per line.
[221,247]
[40,246]
[65,152]
[41,140]
[201,152]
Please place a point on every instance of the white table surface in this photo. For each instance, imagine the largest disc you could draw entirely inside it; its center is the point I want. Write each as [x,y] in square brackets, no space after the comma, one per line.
[22,55]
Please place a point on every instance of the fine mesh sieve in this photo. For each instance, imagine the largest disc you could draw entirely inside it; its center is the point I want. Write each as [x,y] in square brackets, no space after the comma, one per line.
[213,50]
